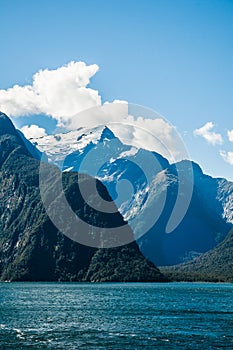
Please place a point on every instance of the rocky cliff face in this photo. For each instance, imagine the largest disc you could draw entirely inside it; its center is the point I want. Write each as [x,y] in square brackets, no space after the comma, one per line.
[32,248]
[99,153]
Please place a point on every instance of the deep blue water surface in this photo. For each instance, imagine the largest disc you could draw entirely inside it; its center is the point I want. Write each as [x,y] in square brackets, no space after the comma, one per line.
[116,316]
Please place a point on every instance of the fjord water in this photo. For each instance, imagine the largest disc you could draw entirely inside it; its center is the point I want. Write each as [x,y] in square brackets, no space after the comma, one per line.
[116,316]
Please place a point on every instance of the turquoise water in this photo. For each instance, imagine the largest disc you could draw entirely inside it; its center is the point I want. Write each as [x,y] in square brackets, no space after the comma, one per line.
[116,316]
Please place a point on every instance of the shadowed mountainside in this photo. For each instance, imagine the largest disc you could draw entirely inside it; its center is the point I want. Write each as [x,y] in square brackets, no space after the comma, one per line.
[32,248]
[100,153]
[215,265]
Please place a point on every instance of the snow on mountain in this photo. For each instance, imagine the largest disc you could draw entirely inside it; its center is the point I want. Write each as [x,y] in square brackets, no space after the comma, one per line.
[120,167]
[145,188]
[58,146]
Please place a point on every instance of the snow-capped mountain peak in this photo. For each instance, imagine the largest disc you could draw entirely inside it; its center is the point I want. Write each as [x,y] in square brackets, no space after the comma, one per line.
[58,146]
[146,188]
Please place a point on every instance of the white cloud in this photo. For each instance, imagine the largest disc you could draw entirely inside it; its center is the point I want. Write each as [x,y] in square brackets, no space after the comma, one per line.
[227,156]
[64,94]
[230,135]
[210,136]
[151,134]
[142,132]
[33,131]
[99,115]
[59,93]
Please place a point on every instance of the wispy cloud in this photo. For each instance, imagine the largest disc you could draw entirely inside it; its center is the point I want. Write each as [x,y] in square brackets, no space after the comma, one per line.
[210,136]
[59,93]
[33,131]
[154,133]
[230,135]
[227,156]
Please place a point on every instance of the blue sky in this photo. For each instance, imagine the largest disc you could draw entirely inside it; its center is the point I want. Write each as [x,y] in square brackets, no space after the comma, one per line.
[175,57]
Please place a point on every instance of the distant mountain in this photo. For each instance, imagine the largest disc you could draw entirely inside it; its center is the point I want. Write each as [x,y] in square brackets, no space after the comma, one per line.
[153,180]
[215,265]
[32,248]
